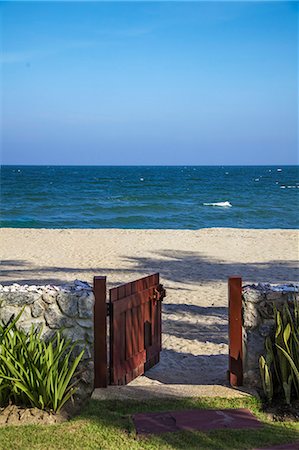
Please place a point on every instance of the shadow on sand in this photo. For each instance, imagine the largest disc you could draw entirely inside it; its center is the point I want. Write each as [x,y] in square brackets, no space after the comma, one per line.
[179,267]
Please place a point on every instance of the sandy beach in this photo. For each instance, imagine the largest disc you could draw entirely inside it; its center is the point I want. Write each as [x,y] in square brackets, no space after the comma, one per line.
[194,267]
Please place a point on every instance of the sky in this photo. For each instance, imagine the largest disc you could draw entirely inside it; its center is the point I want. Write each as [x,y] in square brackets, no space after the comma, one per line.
[170,83]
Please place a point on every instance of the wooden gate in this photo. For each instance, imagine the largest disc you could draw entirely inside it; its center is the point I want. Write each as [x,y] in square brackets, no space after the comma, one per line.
[134,311]
[135,328]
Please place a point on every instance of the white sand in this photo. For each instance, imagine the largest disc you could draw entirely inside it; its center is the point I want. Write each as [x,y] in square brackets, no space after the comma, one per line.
[194,266]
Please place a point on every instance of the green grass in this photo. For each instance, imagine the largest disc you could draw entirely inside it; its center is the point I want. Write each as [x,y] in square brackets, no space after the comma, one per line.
[107,425]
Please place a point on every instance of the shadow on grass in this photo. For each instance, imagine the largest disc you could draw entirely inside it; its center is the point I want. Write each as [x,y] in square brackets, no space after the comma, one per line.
[117,414]
[108,424]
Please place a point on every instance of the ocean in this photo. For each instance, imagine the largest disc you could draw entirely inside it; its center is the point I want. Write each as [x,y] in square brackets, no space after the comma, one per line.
[177,197]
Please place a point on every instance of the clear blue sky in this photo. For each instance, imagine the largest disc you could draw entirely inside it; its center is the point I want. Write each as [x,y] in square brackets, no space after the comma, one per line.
[149,83]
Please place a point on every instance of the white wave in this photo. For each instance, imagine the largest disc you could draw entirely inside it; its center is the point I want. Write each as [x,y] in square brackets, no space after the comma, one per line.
[282,187]
[222,204]
[257,179]
[141,179]
[279,170]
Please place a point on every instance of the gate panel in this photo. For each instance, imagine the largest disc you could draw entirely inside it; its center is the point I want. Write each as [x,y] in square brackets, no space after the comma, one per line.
[135,328]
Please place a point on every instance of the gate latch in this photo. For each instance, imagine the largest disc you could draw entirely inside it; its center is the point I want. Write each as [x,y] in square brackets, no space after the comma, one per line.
[159,293]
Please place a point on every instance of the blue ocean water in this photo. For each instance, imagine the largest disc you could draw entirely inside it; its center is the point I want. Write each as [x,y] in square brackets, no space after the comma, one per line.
[149,197]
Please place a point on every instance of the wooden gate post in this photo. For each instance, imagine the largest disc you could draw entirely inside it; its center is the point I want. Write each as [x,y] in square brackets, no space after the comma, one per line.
[100,332]
[235,331]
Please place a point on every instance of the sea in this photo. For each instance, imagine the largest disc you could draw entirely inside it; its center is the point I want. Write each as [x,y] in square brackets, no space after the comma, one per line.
[154,197]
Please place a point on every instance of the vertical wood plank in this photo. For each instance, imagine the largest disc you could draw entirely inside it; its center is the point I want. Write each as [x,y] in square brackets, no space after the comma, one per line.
[140,330]
[100,332]
[158,316]
[133,287]
[235,331]
[129,334]
[121,291]
[153,305]
[147,322]
[134,330]
[118,349]
[145,283]
[159,328]
[128,289]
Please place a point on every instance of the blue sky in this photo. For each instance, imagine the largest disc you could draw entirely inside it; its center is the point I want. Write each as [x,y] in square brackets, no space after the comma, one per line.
[149,83]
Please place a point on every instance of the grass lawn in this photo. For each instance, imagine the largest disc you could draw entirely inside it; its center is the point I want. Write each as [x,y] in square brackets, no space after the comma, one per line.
[107,425]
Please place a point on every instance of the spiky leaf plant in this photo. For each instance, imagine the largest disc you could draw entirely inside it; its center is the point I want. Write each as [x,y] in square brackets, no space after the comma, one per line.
[35,372]
[280,366]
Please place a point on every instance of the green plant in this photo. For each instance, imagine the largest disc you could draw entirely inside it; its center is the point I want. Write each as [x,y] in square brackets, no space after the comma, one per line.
[35,372]
[279,367]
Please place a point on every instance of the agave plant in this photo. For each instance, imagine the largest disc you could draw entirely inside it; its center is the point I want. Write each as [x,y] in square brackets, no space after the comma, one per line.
[36,372]
[265,369]
[279,367]
[4,383]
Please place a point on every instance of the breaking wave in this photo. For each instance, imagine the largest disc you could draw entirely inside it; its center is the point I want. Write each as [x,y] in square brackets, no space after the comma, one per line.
[222,204]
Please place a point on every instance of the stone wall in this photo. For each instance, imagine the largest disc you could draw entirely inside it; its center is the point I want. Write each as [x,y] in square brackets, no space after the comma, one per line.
[68,307]
[258,322]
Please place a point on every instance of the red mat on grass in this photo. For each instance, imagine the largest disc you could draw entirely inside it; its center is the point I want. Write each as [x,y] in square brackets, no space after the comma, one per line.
[198,419]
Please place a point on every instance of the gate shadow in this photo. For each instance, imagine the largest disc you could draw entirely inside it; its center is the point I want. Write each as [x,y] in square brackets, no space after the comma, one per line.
[203,324]
[186,368]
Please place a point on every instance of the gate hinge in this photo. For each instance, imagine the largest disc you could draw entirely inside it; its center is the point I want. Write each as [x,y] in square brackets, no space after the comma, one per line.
[108,309]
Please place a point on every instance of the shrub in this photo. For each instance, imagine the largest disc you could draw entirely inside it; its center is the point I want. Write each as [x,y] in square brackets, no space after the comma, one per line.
[34,372]
[280,366]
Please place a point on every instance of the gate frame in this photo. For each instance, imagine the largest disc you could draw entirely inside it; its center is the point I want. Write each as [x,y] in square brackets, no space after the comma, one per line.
[100,332]
[235,331]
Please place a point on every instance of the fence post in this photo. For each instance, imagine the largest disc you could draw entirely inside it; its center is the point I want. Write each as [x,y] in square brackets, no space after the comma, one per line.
[100,332]
[235,331]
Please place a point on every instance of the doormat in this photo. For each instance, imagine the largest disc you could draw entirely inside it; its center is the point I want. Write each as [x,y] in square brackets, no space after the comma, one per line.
[196,419]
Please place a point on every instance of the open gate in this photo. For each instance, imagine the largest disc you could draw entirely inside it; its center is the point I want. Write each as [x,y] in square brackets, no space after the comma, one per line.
[134,311]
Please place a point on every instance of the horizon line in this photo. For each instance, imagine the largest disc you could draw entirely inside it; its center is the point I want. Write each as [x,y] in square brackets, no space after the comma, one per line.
[148,165]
